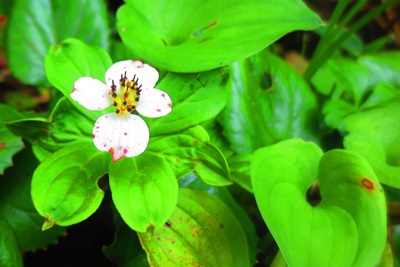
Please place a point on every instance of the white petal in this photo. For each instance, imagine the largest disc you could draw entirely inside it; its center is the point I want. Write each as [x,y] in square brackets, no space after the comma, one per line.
[122,135]
[148,76]
[91,93]
[154,103]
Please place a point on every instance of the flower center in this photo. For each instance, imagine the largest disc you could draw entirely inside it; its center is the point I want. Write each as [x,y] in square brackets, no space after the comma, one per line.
[130,94]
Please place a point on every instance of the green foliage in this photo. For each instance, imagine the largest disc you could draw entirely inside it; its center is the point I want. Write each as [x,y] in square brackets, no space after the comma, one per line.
[9,143]
[203,35]
[201,230]
[66,194]
[17,212]
[368,136]
[144,191]
[10,255]
[348,226]
[35,25]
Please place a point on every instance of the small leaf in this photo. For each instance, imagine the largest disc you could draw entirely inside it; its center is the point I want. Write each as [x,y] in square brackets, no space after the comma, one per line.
[195,98]
[67,62]
[66,126]
[10,255]
[196,36]
[67,194]
[16,207]
[144,190]
[189,151]
[9,143]
[269,102]
[348,226]
[375,135]
[35,25]
[202,231]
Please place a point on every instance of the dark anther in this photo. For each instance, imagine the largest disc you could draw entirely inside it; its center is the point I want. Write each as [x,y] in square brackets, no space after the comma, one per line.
[125,75]
[168,224]
[124,103]
[114,95]
[133,107]
[137,99]
[117,111]
[113,87]
[140,86]
[115,104]
[129,108]
[126,94]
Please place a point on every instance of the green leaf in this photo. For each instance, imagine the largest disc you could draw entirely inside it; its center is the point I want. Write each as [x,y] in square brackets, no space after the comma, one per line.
[9,143]
[202,231]
[348,226]
[16,207]
[375,135]
[64,186]
[189,151]
[203,35]
[195,98]
[269,102]
[240,170]
[35,25]
[191,181]
[67,62]
[144,190]
[66,126]
[126,249]
[10,255]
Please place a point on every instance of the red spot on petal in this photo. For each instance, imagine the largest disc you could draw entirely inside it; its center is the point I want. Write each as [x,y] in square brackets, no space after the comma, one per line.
[104,145]
[158,110]
[125,133]
[106,116]
[3,19]
[125,150]
[170,105]
[163,95]
[93,136]
[2,145]
[367,184]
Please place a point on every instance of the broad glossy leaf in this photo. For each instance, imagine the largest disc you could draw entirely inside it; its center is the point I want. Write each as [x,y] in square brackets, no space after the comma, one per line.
[16,207]
[144,190]
[348,226]
[189,151]
[202,231]
[67,62]
[64,186]
[35,25]
[66,126]
[191,181]
[195,98]
[375,134]
[269,102]
[202,35]
[10,255]
[10,144]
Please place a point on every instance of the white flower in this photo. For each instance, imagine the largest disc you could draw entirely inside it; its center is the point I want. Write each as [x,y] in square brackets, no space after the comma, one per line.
[129,86]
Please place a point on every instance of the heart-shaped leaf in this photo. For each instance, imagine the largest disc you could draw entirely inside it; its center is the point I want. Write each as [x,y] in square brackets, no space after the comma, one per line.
[202,231]
[35,25]
[348,226]
[144,190]
[202,35]
[64,186]
[375,134]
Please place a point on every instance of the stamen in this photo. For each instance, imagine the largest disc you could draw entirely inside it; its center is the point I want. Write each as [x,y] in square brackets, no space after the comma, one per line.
[115,104]
[114,95]
[124,103]
[117,111]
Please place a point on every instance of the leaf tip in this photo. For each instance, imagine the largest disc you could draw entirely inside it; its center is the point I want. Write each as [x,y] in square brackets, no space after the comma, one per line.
[48,223]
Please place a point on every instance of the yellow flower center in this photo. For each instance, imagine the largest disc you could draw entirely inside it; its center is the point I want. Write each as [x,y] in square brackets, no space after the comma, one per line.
[129,96]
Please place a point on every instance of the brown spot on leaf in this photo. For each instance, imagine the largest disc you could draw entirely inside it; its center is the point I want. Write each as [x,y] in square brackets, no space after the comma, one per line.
[2,145]
[367,184]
